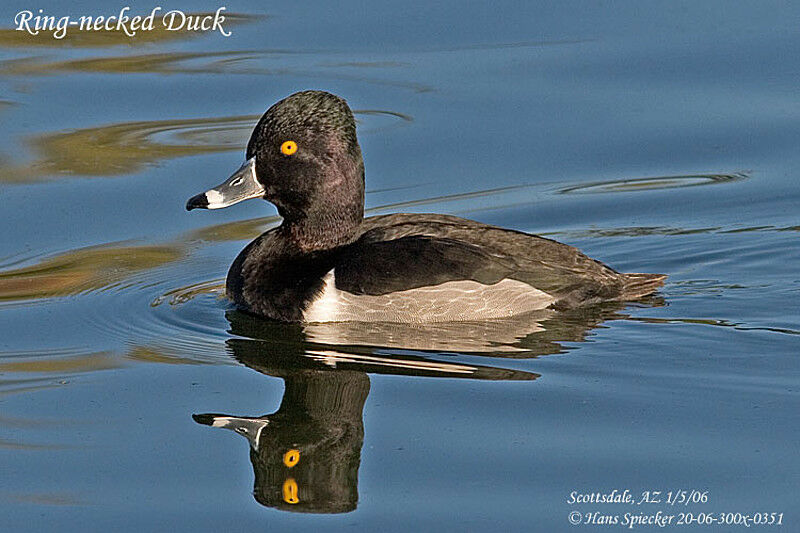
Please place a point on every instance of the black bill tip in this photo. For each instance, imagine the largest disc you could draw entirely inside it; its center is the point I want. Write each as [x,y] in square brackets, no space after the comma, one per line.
[197,202]
[205,418]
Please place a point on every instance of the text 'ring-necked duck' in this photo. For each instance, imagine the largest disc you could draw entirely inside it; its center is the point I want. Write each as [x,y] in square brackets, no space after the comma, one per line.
[327,263]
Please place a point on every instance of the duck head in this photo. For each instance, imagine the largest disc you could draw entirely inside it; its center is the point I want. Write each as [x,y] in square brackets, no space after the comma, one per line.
[304,157]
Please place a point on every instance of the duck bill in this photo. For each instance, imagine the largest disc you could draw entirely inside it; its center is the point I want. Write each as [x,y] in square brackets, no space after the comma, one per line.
[242,185]
[249,428]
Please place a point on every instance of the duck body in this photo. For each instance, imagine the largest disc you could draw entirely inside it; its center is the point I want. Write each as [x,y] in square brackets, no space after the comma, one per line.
[327,263]
[422,268]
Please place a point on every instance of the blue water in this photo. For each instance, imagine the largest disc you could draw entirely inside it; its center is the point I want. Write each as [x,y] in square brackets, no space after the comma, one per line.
[657,137]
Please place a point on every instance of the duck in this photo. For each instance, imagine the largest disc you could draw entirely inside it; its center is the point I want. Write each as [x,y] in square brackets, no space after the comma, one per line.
[326,262]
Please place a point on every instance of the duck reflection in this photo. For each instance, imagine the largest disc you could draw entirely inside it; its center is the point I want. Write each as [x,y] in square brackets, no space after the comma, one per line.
[306,455]
[533,334]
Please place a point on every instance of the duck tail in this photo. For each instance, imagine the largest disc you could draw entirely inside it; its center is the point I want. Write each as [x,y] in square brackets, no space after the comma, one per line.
[638,285]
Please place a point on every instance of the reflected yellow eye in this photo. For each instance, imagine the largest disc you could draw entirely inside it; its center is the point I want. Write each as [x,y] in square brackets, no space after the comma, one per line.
[291,458]
[288,148]
[290,491]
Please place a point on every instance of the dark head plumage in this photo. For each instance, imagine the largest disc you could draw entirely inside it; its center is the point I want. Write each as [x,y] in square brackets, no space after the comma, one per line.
[303,156]
[312,113]
[318,189]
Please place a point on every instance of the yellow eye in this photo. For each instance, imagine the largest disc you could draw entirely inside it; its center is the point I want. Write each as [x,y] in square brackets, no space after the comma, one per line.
[291,458]
[288,148]
[290,490]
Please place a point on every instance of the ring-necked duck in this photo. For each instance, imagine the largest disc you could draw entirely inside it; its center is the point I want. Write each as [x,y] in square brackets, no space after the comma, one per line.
[327,263]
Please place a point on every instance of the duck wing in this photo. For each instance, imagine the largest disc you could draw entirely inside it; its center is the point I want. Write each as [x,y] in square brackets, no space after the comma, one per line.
[376,266]
[410,251]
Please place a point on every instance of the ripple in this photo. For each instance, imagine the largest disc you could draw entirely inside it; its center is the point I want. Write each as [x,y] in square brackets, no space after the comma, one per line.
[122,288]
[85,270]
[642,231]
[716,323]
[370,120]
[19,258]
[45,352]
[649,184]
[232,62]
[705,287]
[182,295]
[365,64]
[128,147]
[165,312]
[21,386]
[167,315]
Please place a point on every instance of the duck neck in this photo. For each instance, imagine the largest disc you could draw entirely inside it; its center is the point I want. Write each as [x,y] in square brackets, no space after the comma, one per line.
[330,215]
[323,228]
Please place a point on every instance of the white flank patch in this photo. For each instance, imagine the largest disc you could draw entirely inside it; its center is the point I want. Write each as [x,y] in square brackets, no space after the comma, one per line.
[325,308]
[453,301]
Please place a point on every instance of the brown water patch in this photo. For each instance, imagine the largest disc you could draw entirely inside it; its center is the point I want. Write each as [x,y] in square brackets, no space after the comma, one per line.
[11,444]
[74,364]
[129,147]
[83,270]
[149,354]
[228,62]
[156,63]
[233,231]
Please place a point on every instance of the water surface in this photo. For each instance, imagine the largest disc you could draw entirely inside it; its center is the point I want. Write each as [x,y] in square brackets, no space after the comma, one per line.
[655,137]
